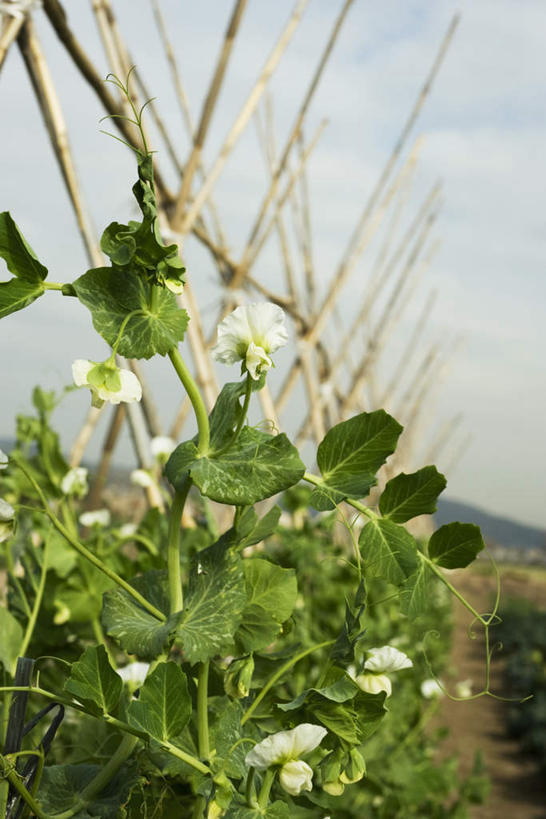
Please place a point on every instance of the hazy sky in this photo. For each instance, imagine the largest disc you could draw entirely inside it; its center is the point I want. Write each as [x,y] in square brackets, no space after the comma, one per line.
[485,131]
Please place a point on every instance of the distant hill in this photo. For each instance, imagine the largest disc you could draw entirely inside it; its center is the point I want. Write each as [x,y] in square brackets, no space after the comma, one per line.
[496,530]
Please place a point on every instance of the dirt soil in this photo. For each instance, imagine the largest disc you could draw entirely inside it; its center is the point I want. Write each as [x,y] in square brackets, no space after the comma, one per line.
[517,790]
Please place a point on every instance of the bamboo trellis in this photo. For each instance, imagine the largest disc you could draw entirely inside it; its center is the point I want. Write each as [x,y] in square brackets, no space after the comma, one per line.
[332,387]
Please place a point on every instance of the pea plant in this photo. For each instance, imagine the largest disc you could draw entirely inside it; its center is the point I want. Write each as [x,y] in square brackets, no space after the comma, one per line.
[187,671]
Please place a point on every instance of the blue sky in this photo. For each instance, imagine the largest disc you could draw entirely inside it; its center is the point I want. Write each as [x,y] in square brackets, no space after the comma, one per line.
[484,128]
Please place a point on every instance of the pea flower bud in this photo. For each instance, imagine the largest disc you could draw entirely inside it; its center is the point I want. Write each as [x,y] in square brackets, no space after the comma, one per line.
[106,382]
[238,677]
[250,334]
[7,520]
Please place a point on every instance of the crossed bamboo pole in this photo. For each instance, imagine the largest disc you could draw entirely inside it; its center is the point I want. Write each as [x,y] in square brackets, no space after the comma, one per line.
[183,211]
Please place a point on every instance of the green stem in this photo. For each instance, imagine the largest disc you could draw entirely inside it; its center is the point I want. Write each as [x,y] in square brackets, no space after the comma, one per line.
[15,580]
[8,772]
[242,417]
[124,324]
[250,789]
[176,599]
[84,552]
[154,299]
[196,400]
[265,790]
[104,776]
[52,285]
[37,602]
[314,479]
[278,674]
[440,575]
[202,710]
[114,722]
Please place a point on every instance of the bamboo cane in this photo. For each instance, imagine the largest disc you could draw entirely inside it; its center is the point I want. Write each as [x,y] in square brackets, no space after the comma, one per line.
[306,234]
[266,137]
[242,119]
[458,454]
[54,121]
[345,267]
[291,378]
[245,264]
[10,31]
[84,436]
[442,438]
[409,350]
[116,423]
[185,110]
[208,110]
[382,323]
[149,407]
[57,17]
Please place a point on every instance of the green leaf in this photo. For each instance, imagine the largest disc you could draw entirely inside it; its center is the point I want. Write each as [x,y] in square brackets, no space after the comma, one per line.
[111,294]
[407,496]
[62,785]
[341,690]
[388,550]
[12,638]
[414,600]
[264,528]
[227,411]
[455,545]
[134,628]
[256,467]
[354,721]
[17,253]
[225,733]
[275,810]
[350,455]
[94,682]
[17,294]
[164,704]
[271,593]
[214,603]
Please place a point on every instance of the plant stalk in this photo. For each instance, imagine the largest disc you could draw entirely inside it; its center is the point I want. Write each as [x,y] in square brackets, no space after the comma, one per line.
[196,400]
[202,710]
[176,598]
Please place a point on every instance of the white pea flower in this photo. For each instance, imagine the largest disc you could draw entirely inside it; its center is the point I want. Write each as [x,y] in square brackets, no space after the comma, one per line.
[162,446]
[75,482]
[386,659]
[98,517]
[381,662]
[284,749]
[134,674]
[250,334]
[141,478]
[296,776]
[431,688]
[3,459]
[374,683]
[106,382]
[463,689]
[7,518]
[128,529]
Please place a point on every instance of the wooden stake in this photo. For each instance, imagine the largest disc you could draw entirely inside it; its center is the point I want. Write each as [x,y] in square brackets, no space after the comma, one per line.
[186,223]
[56,127]
[207,111]
[245,263]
